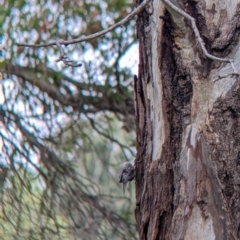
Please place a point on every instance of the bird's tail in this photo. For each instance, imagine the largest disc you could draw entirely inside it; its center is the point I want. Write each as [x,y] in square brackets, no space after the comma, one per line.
[124,186]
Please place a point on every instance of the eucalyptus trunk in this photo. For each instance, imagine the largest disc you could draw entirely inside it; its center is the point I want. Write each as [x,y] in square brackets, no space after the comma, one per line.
[188,123]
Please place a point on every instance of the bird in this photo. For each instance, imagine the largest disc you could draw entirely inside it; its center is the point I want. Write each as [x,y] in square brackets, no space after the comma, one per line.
[126,174]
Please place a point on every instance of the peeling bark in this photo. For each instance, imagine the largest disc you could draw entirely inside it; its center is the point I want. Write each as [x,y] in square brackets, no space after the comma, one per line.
[188,119]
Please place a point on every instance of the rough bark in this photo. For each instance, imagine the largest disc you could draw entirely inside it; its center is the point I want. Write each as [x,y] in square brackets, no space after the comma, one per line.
[188,123]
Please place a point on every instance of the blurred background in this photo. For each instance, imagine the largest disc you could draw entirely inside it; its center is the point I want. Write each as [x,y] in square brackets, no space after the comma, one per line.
[64,131]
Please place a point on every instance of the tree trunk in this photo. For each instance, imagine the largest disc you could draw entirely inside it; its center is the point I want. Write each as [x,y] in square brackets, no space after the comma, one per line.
[188,123]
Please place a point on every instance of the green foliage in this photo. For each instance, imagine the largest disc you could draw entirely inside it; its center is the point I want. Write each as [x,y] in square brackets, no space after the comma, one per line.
[20,217]
[65,128]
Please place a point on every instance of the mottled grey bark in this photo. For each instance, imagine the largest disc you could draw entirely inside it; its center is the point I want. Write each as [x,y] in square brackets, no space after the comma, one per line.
[188,123]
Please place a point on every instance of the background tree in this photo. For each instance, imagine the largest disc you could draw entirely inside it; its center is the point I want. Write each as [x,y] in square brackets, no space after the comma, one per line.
[66,130]
[187,184]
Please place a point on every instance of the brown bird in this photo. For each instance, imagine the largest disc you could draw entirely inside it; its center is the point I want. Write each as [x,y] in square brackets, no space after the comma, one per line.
[126,174]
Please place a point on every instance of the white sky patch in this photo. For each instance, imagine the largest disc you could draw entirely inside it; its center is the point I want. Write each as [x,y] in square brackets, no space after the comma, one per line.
[1,103]
[1,94]
[130,59]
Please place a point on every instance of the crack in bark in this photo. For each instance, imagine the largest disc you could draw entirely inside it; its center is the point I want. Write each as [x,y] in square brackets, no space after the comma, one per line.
[225,123]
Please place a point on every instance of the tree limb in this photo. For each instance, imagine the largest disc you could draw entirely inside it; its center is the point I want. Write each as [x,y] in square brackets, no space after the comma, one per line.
[95,35]
[111,101]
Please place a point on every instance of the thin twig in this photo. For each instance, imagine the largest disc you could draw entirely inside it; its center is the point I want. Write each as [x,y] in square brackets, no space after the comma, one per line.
[64,58]
[198,37]
[95,35]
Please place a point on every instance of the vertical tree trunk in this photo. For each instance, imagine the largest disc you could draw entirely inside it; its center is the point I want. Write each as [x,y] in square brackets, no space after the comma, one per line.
[188,123]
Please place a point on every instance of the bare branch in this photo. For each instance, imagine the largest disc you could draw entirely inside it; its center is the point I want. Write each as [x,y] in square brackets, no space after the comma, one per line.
[64,58]
[95,35]
[198,37]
